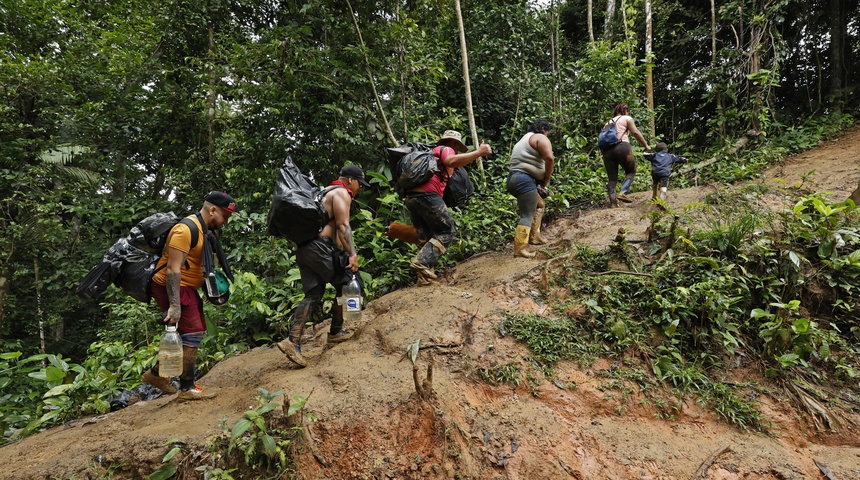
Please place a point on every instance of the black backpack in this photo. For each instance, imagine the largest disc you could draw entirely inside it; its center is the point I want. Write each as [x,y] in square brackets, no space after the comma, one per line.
[130,262]
[297,212]
[459,188]
[412,165]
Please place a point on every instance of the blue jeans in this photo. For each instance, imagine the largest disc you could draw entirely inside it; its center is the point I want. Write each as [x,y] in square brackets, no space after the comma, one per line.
[524,187]
[520,182]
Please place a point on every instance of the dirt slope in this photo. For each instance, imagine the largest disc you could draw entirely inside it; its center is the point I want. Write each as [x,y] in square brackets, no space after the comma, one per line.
[372,424]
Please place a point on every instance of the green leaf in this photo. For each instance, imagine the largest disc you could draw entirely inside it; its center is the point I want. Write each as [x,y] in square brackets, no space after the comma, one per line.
[239,428]
[296,403]
[267,408]
[269,446]
[58,390]
[172,453]
[163,473]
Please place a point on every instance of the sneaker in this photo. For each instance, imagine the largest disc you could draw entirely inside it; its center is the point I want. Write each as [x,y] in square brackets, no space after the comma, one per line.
[624,198]
[195,393]
[160,383]
[293,352]
[423,271]
[341,336]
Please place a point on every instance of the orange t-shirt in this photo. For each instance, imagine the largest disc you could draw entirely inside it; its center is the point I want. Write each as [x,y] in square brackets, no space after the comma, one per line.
[180,239]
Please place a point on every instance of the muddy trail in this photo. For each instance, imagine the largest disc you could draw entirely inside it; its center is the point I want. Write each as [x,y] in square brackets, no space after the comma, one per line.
[371,423]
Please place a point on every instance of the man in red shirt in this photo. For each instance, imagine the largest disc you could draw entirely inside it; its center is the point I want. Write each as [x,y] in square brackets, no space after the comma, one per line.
[427,209]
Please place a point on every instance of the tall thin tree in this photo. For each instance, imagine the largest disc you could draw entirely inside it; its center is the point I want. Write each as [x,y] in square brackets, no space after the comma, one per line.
[464,53]
[649,61]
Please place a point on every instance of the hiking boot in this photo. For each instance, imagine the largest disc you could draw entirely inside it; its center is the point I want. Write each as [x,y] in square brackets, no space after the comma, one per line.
[195,393]
[423,271]
[341,336]
[424,280]
[160,383]
[293,352]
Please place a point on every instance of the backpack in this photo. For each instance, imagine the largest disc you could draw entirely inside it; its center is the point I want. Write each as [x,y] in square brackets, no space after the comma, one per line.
[297,212]
[608,136]
[412,165]
[459,188]
[130,262]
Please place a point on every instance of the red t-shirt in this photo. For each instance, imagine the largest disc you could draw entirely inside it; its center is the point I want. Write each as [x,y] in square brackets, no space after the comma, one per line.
[437,182]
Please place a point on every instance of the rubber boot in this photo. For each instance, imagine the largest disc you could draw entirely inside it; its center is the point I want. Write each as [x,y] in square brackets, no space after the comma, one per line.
[625,189]
[521,241]
[534,236]
[654,190]
[613,202]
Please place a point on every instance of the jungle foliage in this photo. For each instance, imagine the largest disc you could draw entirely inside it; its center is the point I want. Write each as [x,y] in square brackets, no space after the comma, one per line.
[111,111]
[721,285]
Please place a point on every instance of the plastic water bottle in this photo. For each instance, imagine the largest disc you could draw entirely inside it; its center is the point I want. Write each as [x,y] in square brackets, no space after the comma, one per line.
[170,354]
[352,300]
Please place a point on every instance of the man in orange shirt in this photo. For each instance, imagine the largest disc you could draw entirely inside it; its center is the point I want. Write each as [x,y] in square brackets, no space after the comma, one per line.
[178,276]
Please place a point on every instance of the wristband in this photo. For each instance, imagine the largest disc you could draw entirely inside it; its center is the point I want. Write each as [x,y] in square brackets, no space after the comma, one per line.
[353,255]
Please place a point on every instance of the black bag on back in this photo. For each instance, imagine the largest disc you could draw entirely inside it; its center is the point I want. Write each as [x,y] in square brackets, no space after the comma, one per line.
[412,165]
[297,212]
[459,188]
[130,262]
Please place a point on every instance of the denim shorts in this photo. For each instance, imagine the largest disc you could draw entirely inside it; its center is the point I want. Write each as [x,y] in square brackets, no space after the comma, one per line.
[520,183]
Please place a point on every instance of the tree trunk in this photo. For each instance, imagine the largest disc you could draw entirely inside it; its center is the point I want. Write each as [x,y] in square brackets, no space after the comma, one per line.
[649,61]
[464,53]
[720,109]
[838,18]
[401,58]
[211,99]
[610,12]
[39,314]
[590,26]
[556,68]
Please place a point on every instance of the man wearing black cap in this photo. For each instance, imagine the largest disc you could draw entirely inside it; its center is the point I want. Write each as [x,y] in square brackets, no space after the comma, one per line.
[321,262]
[178,276]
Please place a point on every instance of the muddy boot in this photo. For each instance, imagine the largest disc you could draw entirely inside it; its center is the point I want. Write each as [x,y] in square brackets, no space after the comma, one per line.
[534,236]
[424,260]
[654,191]
[521,241]
[152,378]
[188,389]
[291,346]
[613,202]
[293,352]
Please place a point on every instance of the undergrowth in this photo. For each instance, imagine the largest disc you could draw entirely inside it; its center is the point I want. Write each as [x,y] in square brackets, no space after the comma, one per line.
[720,286]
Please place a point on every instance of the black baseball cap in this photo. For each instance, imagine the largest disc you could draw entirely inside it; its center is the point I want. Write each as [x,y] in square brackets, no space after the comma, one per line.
[223,200]
[354,171]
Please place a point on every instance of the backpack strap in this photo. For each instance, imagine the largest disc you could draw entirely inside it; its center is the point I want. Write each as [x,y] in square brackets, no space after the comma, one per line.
[195,236]
[443,169]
